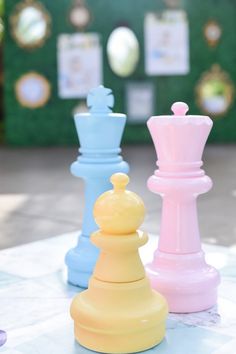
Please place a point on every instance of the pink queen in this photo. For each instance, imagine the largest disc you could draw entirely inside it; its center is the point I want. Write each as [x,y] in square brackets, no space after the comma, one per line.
[179,270]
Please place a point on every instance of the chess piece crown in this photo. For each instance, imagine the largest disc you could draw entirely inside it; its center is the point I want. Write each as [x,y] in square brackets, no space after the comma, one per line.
[179,141]
[100,120]
[119,313]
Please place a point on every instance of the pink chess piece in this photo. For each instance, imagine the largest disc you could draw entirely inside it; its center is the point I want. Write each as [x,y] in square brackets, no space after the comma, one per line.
[179,270]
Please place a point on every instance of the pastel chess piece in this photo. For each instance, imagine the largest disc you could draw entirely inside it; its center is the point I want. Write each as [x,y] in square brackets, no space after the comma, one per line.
[3,337]
[119,312]
[99,133]
[179,270]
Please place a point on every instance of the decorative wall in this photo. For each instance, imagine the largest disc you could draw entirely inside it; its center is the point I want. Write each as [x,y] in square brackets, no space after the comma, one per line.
[52,123]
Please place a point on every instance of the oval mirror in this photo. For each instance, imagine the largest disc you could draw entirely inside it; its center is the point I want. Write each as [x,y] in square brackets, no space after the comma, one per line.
[30,24]
[1,30]
[123,51]
[215,92]
[1,20]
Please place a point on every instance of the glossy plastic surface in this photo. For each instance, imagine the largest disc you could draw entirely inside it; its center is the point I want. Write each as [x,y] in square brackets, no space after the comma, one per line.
[179,270]
[100,132]
[119,313]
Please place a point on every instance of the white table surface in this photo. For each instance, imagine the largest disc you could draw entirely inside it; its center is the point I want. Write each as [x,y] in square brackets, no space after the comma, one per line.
[35,301]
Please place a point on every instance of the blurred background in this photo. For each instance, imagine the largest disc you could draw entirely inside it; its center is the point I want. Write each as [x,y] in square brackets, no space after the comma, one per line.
[151,53]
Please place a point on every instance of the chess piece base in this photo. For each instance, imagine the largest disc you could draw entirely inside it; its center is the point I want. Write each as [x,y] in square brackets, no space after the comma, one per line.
[119,317]
[188,283]
[80,262]
[120,343]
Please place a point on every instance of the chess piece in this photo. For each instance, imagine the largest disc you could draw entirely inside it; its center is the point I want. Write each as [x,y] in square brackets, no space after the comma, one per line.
[119,312]
[179,270]
[3,337]
[99,133]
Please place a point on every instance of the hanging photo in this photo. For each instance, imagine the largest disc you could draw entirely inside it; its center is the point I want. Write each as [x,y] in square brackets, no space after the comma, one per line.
[79,64]
[32,90]
[139,101]
[166,43]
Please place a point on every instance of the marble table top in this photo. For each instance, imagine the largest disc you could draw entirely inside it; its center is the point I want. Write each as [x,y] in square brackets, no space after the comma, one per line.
[35,300]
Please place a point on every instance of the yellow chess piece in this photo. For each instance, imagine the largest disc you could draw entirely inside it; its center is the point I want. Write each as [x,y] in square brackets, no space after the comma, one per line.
[119,312]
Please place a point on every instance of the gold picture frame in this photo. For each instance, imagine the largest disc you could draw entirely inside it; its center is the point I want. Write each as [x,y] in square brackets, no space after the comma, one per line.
[27,14]
[215,92]
[212,32]
[32,90]
[79,15]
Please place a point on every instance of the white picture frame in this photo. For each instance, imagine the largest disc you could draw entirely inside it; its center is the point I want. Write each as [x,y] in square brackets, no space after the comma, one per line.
[139,101]
[79,64]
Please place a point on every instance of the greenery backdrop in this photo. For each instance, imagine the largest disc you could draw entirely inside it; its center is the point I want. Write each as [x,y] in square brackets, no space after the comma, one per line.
[53,123]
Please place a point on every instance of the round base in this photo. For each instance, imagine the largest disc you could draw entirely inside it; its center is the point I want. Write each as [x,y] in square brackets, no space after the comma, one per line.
[80,262]
[120,343]
[186,281]
[119,317]
[79,279]
[187,303]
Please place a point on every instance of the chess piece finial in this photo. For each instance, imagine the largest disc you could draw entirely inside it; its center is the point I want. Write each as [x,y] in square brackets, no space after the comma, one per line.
[100,100]
[179,108]
[119,181]
[119,313]
[100,132]
[179,270]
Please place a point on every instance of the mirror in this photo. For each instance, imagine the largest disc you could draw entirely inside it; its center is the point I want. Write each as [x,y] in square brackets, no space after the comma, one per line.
[215,92]
[123,51]
[1,20]
[32,90]
[30,24]
[79,15]
[212,33]
[1,30]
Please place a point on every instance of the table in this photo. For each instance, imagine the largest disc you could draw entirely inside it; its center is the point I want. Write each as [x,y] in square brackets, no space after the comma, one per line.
[35,300]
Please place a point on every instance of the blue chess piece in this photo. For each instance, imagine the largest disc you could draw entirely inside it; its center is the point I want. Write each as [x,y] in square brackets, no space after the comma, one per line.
[100,132]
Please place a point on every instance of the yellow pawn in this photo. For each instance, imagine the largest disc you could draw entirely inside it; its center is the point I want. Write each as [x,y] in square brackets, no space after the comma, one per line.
[119,312]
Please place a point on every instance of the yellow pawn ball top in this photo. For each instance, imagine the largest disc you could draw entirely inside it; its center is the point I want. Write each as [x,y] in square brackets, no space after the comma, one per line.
[119,181]
[119,211]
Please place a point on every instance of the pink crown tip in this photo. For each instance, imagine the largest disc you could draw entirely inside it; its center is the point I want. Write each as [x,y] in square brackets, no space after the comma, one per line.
[179,108]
